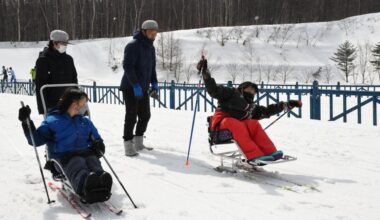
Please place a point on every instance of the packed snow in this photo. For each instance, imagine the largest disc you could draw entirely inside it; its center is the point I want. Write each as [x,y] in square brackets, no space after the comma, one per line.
[337,166]
[298,49]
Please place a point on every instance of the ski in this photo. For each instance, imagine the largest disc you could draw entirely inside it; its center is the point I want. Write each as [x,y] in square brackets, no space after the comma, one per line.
[276,185]
[112,208]
[284,159]
[279,177]
[70,199]
[258,171]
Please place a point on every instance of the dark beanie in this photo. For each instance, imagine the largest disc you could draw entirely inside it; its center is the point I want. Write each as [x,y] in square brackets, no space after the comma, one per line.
[247,84]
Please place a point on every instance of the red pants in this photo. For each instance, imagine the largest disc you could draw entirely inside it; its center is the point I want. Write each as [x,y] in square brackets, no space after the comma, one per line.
[250,136]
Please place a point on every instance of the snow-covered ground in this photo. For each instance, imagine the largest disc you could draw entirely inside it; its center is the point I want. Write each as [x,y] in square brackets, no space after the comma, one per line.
[339,160]
[300,48]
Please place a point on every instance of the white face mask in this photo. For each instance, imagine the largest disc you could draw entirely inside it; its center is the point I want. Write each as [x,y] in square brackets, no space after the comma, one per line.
[82,110]
[62,49]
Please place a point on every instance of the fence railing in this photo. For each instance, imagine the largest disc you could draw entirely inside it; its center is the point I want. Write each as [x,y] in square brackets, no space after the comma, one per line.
[339,101]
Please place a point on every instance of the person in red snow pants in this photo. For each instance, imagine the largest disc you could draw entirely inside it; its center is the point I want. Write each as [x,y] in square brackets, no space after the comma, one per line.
[238,113]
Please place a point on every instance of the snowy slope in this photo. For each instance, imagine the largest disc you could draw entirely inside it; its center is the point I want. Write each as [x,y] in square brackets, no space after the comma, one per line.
[303,47]
[339,160]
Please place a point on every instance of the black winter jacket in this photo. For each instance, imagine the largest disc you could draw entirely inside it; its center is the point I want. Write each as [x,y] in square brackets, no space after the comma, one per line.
[53,67]
[232,102]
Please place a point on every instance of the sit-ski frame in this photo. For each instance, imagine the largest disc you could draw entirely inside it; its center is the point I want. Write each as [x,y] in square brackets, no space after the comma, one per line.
[238,159]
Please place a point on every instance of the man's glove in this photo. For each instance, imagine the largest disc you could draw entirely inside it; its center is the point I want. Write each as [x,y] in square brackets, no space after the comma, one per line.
[155,86]
[205,72]
[137,91]
[294,103]
[99,148]
[24,113]
[291,104]
[154,94]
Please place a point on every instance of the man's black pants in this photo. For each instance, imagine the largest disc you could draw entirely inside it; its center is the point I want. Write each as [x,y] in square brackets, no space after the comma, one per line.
[135,111]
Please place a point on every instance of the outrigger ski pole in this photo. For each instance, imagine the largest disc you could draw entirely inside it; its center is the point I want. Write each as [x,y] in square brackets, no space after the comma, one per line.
[278,118]
[38,158]
[121,184]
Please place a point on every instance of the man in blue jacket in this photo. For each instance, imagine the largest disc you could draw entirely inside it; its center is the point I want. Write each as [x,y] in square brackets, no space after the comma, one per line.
[139,71]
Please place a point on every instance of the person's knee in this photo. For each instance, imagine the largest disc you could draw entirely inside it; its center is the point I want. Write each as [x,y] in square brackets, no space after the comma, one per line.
[144,116]
[131,116]
[76,161]
[232,124]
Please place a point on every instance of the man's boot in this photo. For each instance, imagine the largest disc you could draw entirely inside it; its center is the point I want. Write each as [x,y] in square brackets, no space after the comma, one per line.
[138,142]
[129,148]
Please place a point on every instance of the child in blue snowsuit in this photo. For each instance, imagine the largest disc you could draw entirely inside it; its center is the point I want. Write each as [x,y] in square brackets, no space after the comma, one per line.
[74,142]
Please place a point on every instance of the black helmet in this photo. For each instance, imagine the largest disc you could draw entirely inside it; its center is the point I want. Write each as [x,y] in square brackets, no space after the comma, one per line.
[247,84]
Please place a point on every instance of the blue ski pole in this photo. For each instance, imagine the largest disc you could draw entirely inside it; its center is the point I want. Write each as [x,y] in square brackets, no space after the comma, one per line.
[192,126]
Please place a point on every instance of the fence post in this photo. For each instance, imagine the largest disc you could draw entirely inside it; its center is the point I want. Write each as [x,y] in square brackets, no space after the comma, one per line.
[15,87]
[94,98]
[338,88]
[315,102]
[172,95]
[30,87]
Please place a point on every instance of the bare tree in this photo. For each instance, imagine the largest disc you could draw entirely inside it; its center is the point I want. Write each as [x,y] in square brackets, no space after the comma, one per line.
[364,54]
[284,72]
[160,49]
[173,50]
[138,11]
[93,19]
[237,33]
[306,76]
[222,36]
[18,21]
[268,72]
[347,25]
[304,35]
[286,32]
[189,70]
[178,66]
[233,70]
[259,69]
[327,73]
[249,54]
[274,34]
[371,75]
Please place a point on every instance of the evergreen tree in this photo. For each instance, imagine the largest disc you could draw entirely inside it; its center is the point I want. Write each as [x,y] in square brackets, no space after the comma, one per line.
[376,61]
[344,58]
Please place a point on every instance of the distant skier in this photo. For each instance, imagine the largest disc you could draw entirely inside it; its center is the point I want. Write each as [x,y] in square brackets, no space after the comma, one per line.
[5,76]
[13,75]
[33,74]
[139,71]
[200,63]
[75,143]
[54,66]
[237,112]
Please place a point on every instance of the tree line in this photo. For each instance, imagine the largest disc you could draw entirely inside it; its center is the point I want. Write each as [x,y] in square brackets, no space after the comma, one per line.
[32,20]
